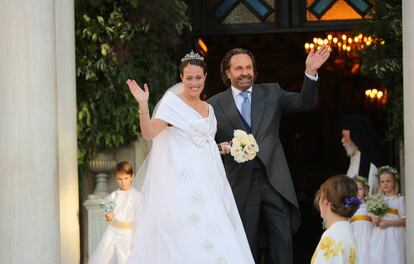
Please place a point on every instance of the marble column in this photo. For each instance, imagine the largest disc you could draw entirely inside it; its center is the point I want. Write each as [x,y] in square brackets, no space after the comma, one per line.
[39,189]
[408,69]
[67,130]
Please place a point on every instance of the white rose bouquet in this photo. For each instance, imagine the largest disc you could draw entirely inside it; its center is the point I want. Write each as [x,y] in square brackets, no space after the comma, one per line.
[243,146]
[376,205]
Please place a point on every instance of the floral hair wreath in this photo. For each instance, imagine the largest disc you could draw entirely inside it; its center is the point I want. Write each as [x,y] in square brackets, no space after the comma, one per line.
[388,169]
[362,180]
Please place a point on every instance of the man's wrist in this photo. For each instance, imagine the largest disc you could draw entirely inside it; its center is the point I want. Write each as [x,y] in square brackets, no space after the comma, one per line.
[310,72]
[312,77]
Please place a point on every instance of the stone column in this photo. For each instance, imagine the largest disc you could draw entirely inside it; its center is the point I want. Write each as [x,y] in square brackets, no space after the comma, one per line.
[67,130]
[408,69]
[39,190]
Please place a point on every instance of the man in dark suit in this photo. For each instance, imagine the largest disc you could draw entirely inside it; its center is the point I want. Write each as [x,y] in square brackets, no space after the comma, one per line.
[263,187]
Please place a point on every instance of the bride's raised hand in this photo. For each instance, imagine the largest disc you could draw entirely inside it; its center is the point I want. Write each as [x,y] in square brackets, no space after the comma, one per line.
[141,95]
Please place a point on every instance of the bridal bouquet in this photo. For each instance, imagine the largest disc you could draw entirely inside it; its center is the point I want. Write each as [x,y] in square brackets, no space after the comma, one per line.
[376,205]
[243,146]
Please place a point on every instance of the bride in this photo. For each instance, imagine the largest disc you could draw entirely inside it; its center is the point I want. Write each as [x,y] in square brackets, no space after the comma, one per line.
[187,213]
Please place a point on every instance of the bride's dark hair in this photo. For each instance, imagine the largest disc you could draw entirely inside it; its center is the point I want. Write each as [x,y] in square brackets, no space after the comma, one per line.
[195,62]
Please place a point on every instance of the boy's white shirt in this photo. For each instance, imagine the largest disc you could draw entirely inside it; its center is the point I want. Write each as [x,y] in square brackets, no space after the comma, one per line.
[126,203]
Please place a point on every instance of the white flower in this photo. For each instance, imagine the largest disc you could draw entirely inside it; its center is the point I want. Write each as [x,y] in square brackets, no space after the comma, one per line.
[238,132]
[208,245]
[243,146]
[194,219]
[213,229]
[376,205]
[221,261]
[197,198]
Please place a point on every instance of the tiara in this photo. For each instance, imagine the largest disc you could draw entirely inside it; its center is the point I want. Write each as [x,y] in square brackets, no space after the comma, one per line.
[192,56]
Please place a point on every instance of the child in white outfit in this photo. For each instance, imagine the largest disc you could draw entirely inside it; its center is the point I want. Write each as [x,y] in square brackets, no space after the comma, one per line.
[388,235]
[115,245]
[361,222]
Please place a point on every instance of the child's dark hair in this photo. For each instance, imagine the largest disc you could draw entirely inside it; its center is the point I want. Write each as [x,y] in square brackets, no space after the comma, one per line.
[125,167]
[341,192]
[196,62]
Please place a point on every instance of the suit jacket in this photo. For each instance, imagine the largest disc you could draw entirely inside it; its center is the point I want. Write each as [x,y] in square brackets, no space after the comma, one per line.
[269,102]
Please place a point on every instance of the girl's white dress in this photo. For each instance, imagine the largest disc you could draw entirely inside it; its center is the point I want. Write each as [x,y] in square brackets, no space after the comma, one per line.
[361,224]
[115,245]
[188,212]
[337,245]
[388,245]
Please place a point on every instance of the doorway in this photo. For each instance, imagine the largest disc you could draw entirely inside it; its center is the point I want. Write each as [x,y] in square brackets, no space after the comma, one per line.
[311,140]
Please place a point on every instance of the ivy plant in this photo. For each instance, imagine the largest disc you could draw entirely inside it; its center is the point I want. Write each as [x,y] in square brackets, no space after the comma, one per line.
[382,61]
[115,41]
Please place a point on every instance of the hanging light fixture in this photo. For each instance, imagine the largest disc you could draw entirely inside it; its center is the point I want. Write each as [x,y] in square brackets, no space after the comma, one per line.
[344,43]
[377,95]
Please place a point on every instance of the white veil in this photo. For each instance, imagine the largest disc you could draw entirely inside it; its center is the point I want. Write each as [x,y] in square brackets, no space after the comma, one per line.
[139,178]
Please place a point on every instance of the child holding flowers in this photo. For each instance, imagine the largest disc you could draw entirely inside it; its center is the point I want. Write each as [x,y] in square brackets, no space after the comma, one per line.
[337,202]
[361,222]
[120,209]
[388,235]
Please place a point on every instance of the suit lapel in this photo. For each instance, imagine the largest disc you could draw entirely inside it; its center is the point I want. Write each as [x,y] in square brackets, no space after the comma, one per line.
[230,110]
[257,108]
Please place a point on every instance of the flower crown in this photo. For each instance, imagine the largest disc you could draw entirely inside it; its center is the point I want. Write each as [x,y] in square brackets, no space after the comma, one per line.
[388,169]
[362,180]
[352,200]
[192,56]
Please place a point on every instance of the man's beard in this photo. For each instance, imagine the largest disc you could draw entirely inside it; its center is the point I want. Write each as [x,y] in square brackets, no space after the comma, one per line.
[248,81]
[350,149]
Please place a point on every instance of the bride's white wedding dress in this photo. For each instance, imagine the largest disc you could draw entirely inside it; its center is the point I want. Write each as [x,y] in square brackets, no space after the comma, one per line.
[187,214]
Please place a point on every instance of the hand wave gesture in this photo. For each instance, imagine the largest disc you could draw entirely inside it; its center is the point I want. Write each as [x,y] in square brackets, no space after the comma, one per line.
[140,95]
[316,58]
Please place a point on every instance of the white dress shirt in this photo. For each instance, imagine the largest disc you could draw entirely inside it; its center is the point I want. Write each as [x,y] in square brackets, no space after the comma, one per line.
[238,98]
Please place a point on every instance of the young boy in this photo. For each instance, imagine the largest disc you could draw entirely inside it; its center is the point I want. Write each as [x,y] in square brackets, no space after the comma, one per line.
[115,244]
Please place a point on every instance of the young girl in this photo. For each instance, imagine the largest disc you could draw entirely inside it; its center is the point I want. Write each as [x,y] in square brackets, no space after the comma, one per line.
[337,202]
[361,222]
[115,244]
[388,235]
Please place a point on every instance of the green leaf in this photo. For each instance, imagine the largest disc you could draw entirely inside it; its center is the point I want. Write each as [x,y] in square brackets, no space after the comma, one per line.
[101,20]
[128,39]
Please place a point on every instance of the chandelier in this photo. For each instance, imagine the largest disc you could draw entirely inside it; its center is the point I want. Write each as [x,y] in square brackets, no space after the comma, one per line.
[377,95]
[343,43]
